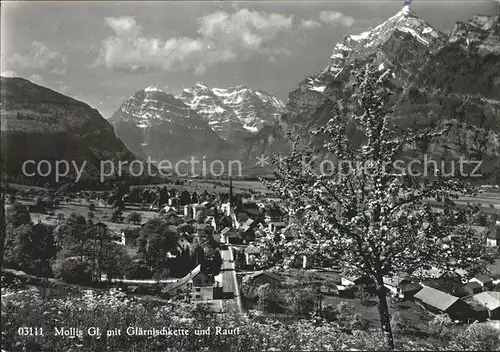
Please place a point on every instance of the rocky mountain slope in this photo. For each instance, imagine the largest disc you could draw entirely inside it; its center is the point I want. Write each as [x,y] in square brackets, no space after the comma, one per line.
[155,124]
[437,78]
[234,113]
[38,123]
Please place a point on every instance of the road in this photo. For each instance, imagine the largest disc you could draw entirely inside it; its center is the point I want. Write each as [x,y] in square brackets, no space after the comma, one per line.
[229,282]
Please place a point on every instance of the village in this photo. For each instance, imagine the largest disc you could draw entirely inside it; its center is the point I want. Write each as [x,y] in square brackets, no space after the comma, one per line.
[222,231]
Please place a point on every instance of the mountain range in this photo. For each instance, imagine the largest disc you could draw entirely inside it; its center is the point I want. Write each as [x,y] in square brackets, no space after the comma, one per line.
[236,112]
[153,123]
[214,123]
[437,79]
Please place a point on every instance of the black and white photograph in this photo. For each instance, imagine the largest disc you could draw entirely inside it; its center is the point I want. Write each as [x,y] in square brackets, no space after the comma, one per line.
[239,176]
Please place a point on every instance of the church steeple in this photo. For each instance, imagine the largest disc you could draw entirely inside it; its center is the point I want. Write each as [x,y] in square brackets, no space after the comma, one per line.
[230,192]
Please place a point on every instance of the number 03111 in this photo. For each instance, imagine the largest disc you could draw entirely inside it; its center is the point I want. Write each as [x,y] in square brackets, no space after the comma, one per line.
[30,331]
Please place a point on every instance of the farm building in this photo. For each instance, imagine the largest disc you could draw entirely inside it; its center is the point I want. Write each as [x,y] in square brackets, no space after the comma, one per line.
[440,302]
[472,287]
[491,301]
[408,290]
[483,279]
[452,286]
[264,277]
[401,287]
[480,312]
[359,281]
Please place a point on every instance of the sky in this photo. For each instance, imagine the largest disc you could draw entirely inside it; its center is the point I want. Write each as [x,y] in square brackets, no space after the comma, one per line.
[102,52]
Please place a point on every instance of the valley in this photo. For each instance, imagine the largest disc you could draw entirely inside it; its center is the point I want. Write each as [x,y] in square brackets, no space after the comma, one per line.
[350,240]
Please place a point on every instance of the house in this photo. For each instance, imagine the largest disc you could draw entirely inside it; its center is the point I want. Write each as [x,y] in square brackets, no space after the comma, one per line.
[401,287]
[393,284]
[491,301]
[210,220]
[202,293]
[187,286]
[183,243]
[483,279]
[441,302]
[349,280]
[450,285]
[329,289]
[251,253]
[132,289]
[188,211]
[359,281]
[431,273]
[119,238]
[472,287]
[247,230]
[198,209]
[409,290]
[247,225]
[167,209]
[345,291]
[128,237]
[494,272]
[226,209]
[276,226]
[264,277]
[478,311]
[230,236]
[251,208]
[493,237]
[174,202]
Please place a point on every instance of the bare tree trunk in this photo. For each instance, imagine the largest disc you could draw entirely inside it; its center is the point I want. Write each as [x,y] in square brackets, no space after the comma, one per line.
[385,318]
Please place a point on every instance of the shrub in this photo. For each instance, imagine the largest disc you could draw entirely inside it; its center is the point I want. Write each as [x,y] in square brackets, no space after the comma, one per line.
[48,202]
[134,217]
[138,271]
[17,215]
[73,271]
[439,326]
[39,206]
[12,198]
[91,206]
[479,337]
[116,215]
[302,301]
[399,322]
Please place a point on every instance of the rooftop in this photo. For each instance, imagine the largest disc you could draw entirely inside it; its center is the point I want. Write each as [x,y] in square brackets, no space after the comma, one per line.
[267,273]
[436,298]
[489,299]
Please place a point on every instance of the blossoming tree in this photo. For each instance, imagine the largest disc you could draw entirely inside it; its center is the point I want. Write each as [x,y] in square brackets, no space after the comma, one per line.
[362,212]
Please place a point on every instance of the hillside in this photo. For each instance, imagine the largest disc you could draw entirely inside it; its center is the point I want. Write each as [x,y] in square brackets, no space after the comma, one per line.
[41,124]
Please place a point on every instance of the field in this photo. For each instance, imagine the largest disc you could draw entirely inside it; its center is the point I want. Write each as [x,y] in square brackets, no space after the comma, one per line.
[217,186]
[102,214]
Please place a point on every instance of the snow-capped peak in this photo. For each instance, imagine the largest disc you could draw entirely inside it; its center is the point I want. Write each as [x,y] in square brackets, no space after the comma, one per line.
[153,89]
[363,35]
[233,109]
[405,11]
[201,85]
[404,25]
